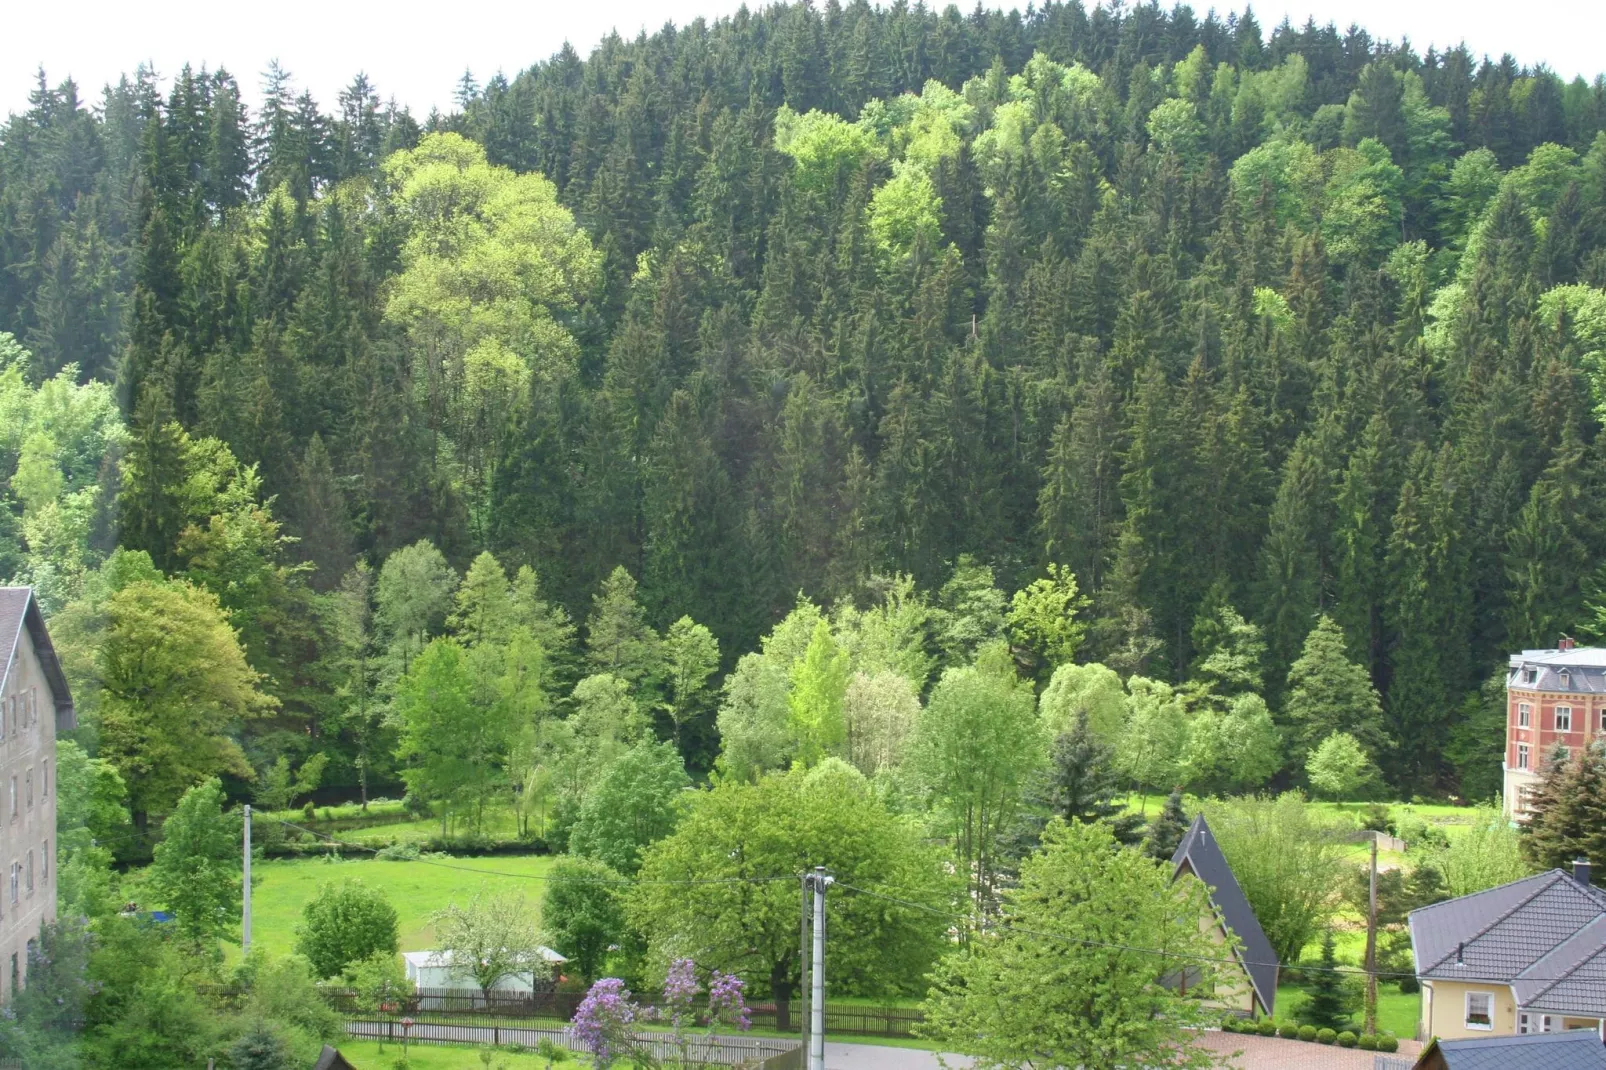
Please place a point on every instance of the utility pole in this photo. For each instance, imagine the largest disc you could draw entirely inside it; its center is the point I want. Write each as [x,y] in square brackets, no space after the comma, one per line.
[803,964]
[245,919]
[817,996]
[1371,943]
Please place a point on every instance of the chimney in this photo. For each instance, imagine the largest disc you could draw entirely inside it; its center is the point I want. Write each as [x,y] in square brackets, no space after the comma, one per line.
[1581,871]
[1567,642]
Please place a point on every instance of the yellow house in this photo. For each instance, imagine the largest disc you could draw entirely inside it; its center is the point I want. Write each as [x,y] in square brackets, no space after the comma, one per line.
[1251,988]
[1525,957]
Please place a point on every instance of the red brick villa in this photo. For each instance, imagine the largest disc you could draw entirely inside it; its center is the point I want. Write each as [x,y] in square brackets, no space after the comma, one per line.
[1552,696]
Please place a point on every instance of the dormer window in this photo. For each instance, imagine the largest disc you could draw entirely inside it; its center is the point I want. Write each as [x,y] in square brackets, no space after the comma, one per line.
[1566,681]
[1530,676]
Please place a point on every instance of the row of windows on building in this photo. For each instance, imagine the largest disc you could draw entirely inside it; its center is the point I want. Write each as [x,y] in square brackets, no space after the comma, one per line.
[1562,721]
[22,794]
[19,712]
[20,878]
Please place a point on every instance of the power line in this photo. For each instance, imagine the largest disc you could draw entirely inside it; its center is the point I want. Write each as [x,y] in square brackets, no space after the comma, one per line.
[1109,946]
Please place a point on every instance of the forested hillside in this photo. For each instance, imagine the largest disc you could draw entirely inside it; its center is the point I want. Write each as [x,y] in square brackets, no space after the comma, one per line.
[1239,329]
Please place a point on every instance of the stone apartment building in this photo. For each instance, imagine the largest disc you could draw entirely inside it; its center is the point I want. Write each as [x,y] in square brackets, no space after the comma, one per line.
[34,706]
[1552,697]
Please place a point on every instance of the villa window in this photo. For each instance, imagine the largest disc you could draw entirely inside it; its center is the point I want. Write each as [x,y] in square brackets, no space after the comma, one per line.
[1522,755]
[1530,676]
[1480,1010]
[1524,714]
[1566,681]
[1564,718]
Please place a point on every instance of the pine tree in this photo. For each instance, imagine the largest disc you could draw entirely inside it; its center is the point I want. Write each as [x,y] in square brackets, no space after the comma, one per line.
[1331,1004]
[1165,832]
[1328,693]
[1566,809]
[618,638]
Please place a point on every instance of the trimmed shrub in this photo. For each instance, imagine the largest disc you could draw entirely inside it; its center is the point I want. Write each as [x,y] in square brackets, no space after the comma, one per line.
[1387,1042]
[1288,1030]
[1325,1036]
[1367,1042]
[1346,1039]
[1232,1024]
[1307,1032]
[1266,1027]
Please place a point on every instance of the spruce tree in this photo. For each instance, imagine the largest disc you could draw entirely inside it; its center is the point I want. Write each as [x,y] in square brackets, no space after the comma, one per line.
[1566,815]
[1332,1003]
[1328,693]
[1167,829]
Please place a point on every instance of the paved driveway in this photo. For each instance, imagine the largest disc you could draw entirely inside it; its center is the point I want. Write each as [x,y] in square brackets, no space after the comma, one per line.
[877,1057]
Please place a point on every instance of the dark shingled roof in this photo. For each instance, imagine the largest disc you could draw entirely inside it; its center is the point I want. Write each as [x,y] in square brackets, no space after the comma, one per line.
[330,1059]
[19,608]
[1569,980]
[1578,1050]
[1585,668]
[1499,934]
[1200,852]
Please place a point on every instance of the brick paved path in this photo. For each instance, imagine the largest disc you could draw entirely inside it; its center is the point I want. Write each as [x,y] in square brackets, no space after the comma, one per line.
[1274,1053]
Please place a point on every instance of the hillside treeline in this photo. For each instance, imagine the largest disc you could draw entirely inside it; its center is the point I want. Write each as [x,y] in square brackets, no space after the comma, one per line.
[809,298]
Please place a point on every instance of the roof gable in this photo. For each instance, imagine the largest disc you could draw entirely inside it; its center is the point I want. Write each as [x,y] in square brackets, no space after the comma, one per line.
[19,609]
[1578,1050]
[1202,856]
[1496,935]
[1571,979]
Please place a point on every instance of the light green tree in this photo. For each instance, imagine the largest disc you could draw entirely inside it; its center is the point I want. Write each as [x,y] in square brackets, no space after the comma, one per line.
[1149,749]
[618,638]
[691,656]
[1075,975]
[345,923]
[583,912]
[782,824]
[819,680]
[456,747]
[1238,749]
[633,804]
[490,259]
[196,870]
[976,748]
[174,684]
[1339,767]
[412,598]
[1042,621]
[880,713]
[1289,860]
[1093,689]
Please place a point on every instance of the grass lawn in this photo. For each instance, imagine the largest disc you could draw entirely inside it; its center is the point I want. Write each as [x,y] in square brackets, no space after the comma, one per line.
[1397,1013]
[416,889]
[365,1055]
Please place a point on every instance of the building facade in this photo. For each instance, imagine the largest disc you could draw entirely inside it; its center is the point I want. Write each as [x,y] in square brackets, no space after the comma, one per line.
[34,705]
[1521,958]
[1553,697]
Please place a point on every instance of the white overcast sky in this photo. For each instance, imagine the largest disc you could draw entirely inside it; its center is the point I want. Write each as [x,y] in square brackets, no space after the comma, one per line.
[416,51]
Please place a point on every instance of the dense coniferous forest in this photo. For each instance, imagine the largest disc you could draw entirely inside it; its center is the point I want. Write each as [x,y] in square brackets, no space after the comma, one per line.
[1240,328]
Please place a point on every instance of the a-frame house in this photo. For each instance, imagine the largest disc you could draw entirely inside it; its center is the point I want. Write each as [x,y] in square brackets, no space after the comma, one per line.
[1251,989]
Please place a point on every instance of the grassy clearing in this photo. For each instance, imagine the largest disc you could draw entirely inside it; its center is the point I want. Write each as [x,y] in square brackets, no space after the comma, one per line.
[416,890]
[366,1055]
[1397,1012]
